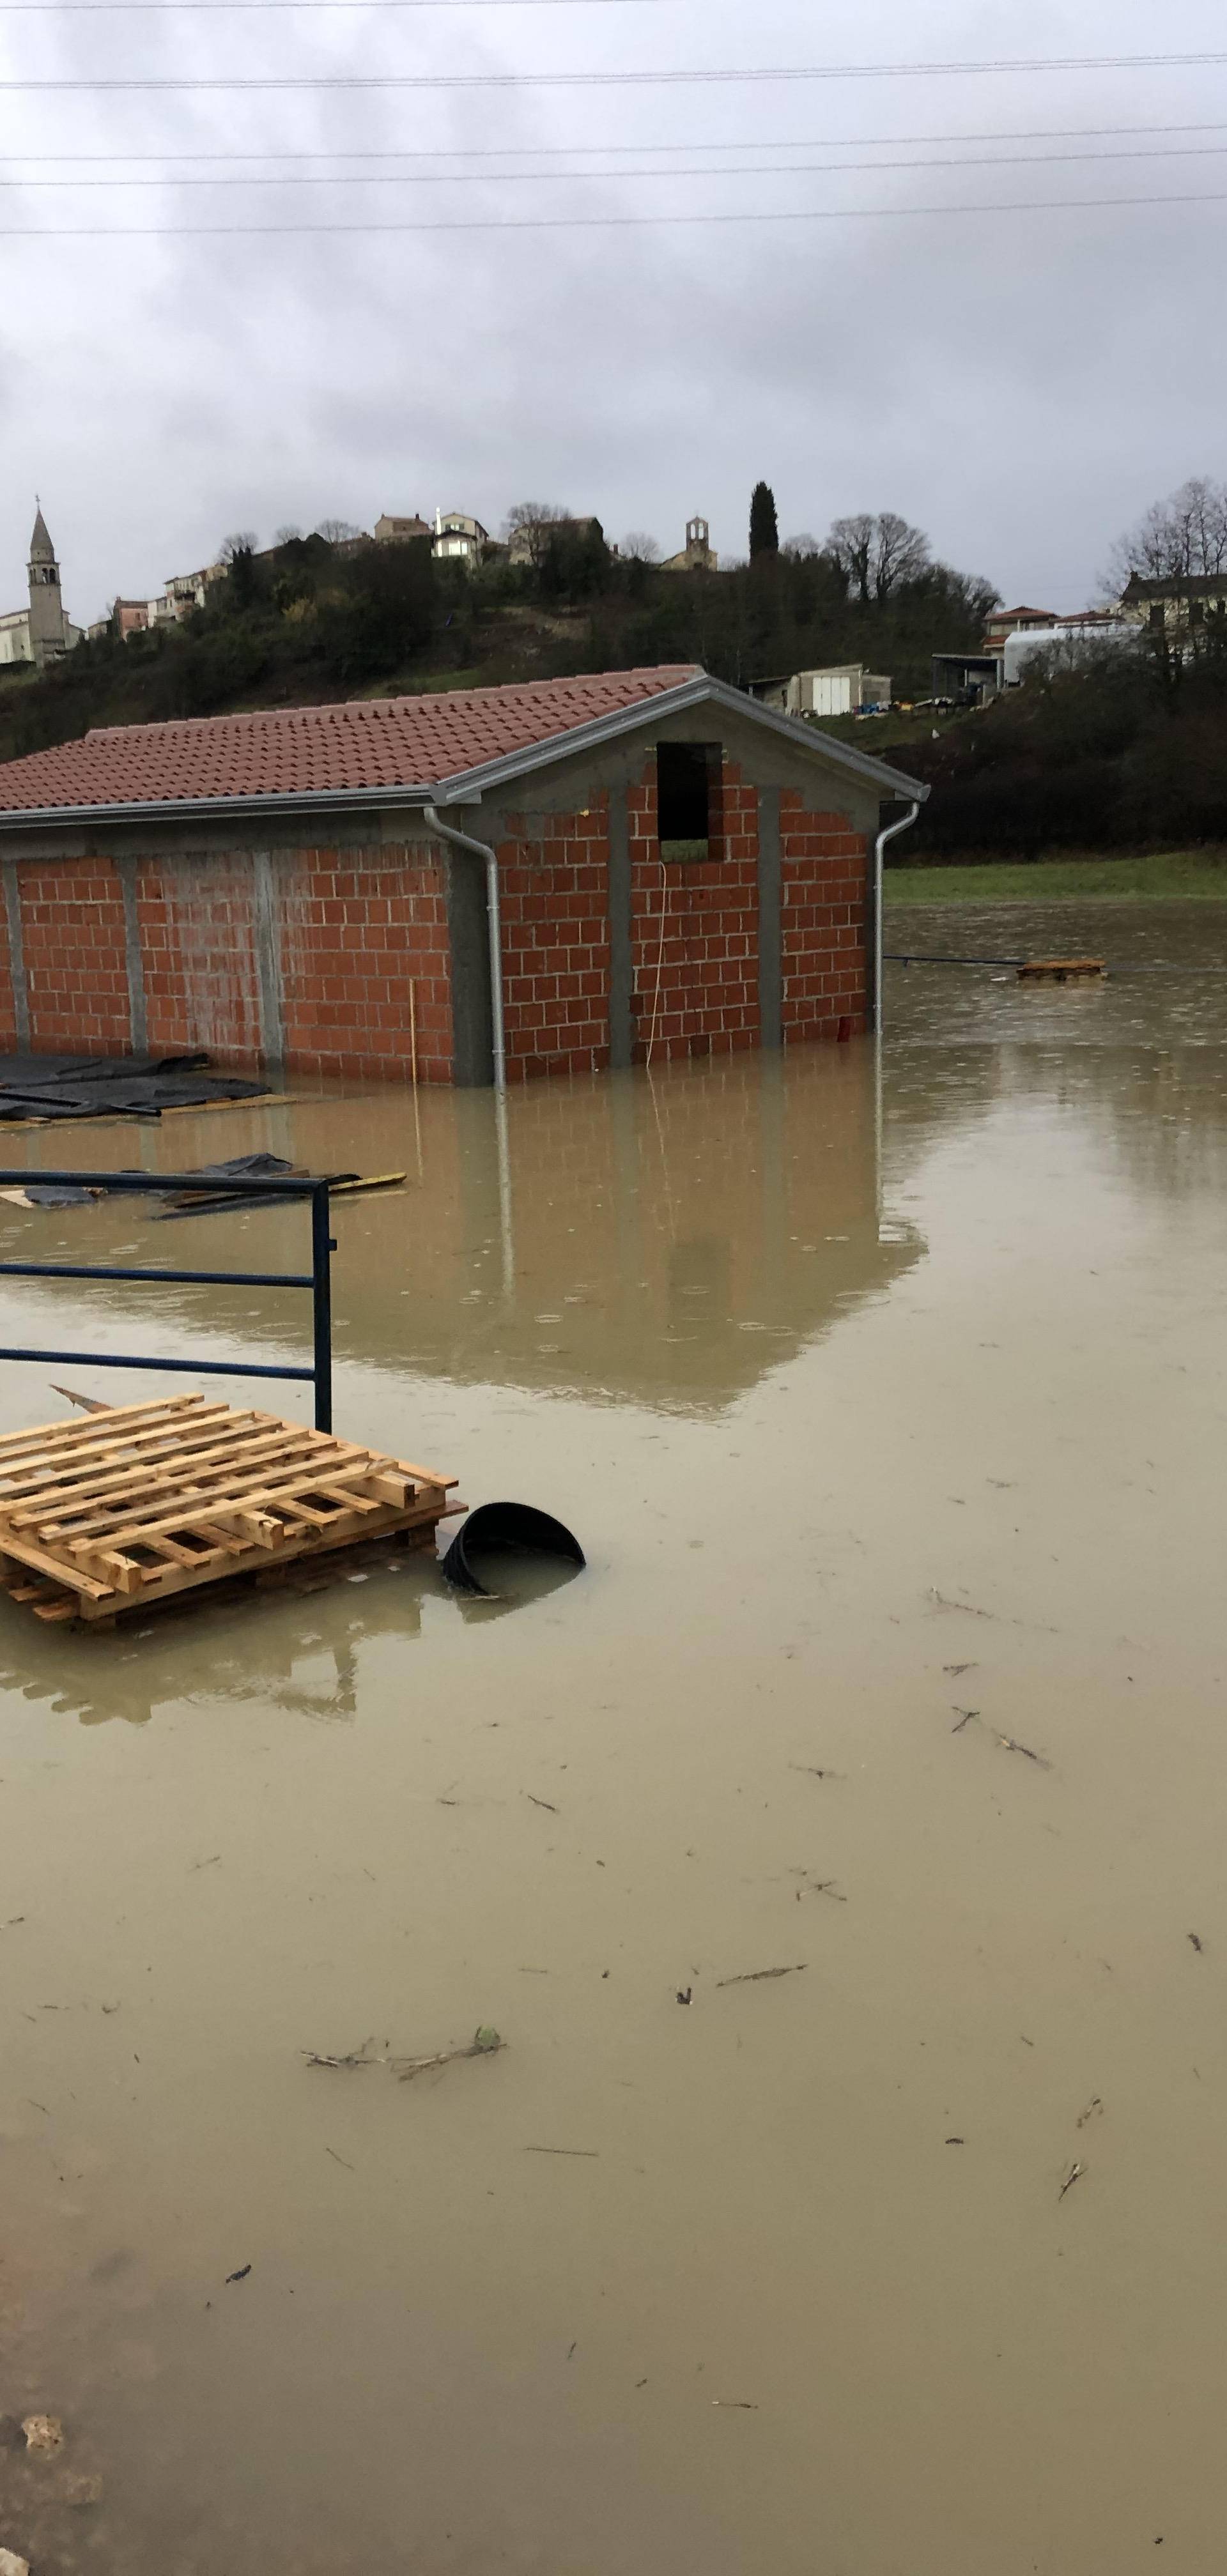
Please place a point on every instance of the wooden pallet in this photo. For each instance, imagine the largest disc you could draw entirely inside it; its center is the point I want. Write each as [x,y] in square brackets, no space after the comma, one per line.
[1063,970]
[142,1501]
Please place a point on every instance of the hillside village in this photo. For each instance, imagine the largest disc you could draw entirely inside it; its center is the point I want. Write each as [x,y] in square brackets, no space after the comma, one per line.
[864,631]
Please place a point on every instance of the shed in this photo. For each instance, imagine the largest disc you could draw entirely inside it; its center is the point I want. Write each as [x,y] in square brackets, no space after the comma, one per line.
[679,871]
[837,689]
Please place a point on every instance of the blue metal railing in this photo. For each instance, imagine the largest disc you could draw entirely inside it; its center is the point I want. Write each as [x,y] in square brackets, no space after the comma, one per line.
[162,1184]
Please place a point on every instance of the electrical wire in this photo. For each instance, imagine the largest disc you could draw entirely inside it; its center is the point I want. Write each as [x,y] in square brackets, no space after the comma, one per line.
[554,151]
[628,80]
[600,178]
[589,223]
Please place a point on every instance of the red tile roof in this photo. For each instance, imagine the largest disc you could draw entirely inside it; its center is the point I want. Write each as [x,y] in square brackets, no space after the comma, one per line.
[367,742]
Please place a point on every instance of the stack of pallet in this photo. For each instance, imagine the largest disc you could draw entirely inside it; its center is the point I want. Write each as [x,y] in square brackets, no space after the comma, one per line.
[141,1501]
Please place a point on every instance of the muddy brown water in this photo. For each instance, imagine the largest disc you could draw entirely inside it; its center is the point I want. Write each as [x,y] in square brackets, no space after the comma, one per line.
[874,1401]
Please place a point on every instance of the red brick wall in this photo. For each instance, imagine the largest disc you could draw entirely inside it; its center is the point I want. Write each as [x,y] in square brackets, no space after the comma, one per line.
[8,1015]
[554,898]
[72,932]
[354,937]
[198,944]
[822,921]
[695,970]
[359,931]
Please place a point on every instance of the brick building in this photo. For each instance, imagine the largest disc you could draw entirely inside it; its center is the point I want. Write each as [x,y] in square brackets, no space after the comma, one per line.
[679,872]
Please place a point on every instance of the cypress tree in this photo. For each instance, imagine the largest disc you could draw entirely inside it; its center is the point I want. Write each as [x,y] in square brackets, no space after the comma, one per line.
[764,534]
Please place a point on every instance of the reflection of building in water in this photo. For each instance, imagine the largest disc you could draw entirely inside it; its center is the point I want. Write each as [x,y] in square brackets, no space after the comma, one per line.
[664,1239]
[672,1236]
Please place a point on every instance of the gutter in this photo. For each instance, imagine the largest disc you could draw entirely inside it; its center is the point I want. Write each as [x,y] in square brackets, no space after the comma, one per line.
[904,824]
[482,850]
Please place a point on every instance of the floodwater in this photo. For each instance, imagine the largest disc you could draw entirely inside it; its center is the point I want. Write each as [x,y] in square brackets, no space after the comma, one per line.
[891,1414]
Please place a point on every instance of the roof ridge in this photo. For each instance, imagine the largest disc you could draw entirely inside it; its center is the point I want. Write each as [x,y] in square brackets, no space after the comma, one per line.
[333,707]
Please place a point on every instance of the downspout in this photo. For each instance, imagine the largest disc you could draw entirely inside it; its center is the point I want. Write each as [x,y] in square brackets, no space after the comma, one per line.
[879,854]
[482,850]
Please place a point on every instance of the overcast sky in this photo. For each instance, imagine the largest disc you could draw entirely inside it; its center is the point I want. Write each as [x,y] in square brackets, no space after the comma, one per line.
[1019,383]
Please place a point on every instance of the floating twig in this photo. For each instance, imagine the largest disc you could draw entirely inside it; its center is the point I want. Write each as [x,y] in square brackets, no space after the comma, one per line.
[759,1976]
[1070,2179]
[812,1771]
[1010,1744]
[339,2160]
[736,2405]
[485,2042]
[942,1602]
[1092,2107]
[240,2275]
[356,2057]
[540,1802]
[965,1716]
[205,1864]
[1194,1937]
[562,2151]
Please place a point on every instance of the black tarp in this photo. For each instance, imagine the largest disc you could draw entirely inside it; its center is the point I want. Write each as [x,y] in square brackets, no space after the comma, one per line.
[123,1086]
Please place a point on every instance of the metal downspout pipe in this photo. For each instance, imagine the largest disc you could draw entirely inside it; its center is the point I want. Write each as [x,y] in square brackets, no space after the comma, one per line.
[482,850]
[879,854]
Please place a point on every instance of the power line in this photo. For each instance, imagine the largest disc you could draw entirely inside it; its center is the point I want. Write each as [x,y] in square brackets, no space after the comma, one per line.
[554,151]
[756,170]
[165,8]
[589,223]
[632,80]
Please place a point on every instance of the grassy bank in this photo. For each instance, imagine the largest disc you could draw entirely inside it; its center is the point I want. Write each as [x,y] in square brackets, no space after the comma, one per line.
[1184,875]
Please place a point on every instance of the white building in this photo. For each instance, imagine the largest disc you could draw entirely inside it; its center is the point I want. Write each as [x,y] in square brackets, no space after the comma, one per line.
[459,537]
[42,632]
[839,689]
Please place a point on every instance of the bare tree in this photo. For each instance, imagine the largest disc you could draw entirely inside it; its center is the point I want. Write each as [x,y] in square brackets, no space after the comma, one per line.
[877,552]
[1175,563]
[801,549]
[286,536]
[639,547]
[531,522]
[337,532]
[1180,540]
[243,542]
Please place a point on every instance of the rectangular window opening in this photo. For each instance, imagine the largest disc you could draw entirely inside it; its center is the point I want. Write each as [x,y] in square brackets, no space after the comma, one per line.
[688,799]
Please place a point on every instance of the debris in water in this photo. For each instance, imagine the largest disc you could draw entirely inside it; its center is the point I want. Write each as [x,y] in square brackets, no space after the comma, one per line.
[205,1864]
[813,1773]
[1092,2107]
[339,2160]
[485,2042]
[965,1716]
[684,1994]
[940,1602]
[44,2433]
[759,1976]
[1011,1744]
[956,2142]
[736,2405]
[540,1802]
[1195,1938]
[592,2152]
[240,2275]
[12,2565]
[1070,2179]
[356,2057]
[955,1669]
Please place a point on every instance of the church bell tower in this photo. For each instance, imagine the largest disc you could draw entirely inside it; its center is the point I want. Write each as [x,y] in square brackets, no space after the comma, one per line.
[48,628]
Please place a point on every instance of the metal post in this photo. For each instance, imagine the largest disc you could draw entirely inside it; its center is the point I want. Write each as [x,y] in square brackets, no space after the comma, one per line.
[321,1303]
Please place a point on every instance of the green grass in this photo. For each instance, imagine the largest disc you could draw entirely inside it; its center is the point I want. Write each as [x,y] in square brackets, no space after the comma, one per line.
[1182,875]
